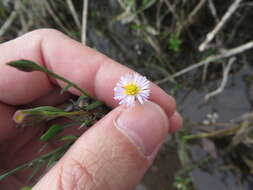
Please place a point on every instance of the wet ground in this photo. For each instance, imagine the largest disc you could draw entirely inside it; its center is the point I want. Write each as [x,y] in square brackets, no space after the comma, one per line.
[218,174]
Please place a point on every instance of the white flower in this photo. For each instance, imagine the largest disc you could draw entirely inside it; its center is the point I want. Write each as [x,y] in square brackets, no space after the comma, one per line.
[131,88]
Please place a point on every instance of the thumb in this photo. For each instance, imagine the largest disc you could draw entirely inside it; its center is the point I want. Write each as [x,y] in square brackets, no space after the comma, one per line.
[114,154]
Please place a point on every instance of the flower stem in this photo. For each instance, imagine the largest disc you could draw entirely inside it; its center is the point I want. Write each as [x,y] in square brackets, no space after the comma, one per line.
[31,163]
[30,66]
[67,81]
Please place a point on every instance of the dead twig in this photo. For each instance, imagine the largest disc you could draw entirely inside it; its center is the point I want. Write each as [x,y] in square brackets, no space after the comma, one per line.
[135,18]
[74,13]
[238,24]
[54,16]
[84,20]
[224,80]
[8,22]
[158,15]
[217,28]
[242,132]
[175,15]
[205,71]
[225,54]
[213,10]
[172,9]
[195,11]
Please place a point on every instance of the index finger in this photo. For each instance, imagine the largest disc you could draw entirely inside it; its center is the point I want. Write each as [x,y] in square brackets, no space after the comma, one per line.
[80,64]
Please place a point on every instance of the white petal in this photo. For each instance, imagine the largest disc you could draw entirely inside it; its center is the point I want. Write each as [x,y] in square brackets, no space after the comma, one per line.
[119,97]
[140,99]
[130,100]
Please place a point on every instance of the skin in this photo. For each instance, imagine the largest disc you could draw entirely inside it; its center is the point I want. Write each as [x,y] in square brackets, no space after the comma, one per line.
[102,158]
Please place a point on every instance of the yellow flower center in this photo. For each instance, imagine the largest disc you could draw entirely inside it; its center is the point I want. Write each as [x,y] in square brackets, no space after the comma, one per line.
[19,117]
[131,89]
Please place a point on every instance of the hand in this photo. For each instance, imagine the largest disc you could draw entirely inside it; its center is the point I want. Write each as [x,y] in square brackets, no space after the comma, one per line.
[114,153]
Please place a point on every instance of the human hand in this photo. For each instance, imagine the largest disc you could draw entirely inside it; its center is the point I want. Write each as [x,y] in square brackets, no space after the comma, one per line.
[114,153]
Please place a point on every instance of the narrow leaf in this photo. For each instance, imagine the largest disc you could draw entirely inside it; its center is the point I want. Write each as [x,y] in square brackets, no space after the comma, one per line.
[25,65]
[68,138]
[55,158]
[47,110]
[51,132]
[147,4]
[34,172]
[35,161]
[29,117]
[86,123]
[43,148]
[93,105]
[66,88]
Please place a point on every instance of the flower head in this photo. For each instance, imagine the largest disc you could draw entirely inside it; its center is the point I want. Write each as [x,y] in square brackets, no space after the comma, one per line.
[131,88]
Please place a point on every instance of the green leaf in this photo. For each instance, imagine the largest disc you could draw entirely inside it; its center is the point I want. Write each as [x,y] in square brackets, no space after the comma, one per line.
[51,132]
[23,166]
[68,138]
[34,172]
[86,123]
[66,88]
[37,115]
[43,148]
[55,158]
[147,4]
[93,105]
[44,110]
[61,149]
[175,42]
[25,65]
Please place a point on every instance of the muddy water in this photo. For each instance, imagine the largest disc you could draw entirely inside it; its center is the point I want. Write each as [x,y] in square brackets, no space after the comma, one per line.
[229,105]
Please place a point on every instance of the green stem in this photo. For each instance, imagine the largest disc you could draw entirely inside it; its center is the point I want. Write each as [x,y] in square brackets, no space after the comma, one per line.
[218,133]
[65,80]
[203,161]
[30,66]
[28,164]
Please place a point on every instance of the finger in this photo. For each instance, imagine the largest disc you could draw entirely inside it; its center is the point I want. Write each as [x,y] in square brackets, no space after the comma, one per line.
[53,98]
[80,64]
[114,154]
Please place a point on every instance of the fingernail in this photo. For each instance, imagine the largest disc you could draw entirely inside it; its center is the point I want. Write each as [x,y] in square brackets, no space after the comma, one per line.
[145,125]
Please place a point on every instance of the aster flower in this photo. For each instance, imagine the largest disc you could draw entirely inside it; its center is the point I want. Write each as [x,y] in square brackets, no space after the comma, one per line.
[132,88]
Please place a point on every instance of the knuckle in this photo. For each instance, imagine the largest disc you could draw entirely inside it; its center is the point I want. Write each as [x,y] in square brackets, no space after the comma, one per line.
[45,32]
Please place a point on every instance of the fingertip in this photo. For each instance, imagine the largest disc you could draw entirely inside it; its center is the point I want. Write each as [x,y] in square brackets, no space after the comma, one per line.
[176,122]
[163,99]
[171,105]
